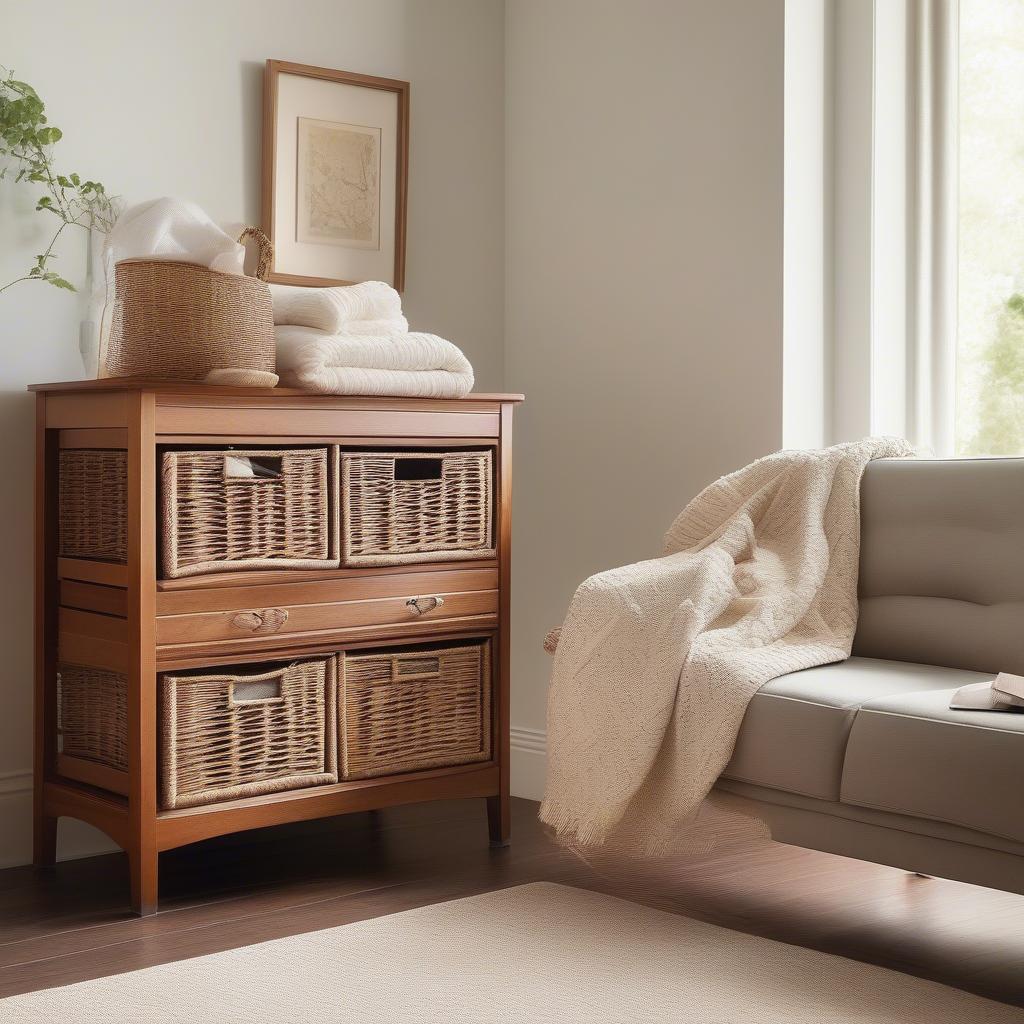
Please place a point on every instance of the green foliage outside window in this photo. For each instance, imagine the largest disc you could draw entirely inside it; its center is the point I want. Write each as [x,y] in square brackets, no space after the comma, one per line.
[1000,429]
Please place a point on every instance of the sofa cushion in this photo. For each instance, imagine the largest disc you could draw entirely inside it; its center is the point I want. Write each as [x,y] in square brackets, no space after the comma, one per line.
[795,730]
[911,754]
[942,563]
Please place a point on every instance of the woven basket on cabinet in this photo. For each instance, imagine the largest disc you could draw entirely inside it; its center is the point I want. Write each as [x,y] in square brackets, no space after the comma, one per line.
[241,733]
[178,321]
[410,710]
[214,521]
[93,501]
[415,506]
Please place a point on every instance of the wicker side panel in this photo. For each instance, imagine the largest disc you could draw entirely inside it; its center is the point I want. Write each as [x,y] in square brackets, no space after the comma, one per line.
[93,715]
[93,503]
[412,710]
[217,747]
[215,522]
[389,521]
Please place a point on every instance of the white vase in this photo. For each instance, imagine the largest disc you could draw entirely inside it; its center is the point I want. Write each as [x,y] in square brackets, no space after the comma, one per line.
[91,328]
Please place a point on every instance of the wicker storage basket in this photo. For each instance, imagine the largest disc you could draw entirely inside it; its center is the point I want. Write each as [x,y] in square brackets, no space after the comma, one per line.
[241,733]
[276,514]
[178,321]
[92,713]
[419,506]
[93,500]
[404,711]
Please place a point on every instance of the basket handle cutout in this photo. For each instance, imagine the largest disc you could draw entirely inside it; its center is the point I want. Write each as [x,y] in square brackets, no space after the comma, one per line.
[418,469]
[256,691]
[406,669]
[253,468]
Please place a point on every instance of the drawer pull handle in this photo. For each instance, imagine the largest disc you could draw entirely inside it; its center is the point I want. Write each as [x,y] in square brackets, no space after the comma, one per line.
[266,620]
[422,605]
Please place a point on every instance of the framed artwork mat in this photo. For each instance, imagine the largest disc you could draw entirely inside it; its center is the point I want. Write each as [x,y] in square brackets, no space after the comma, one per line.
[335,175]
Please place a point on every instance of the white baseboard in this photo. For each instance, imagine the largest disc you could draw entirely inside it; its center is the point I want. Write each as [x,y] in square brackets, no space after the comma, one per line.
[12,783]
[529,762]
[75,839]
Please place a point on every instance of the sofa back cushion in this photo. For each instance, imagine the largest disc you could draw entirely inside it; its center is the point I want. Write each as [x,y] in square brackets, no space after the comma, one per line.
[942,563]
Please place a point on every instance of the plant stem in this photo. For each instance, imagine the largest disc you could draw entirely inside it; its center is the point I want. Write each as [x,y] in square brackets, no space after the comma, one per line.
[11,284]
[46,256]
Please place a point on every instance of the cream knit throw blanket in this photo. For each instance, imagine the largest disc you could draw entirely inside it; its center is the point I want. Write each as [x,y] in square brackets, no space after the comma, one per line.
[656,662]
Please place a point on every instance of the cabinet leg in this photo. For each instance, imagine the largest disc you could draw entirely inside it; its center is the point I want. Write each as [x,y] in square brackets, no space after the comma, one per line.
[144,871]
[499,819]
[44,840]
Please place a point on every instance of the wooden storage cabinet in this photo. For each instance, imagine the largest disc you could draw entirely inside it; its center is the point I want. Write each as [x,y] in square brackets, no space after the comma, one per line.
[259,607]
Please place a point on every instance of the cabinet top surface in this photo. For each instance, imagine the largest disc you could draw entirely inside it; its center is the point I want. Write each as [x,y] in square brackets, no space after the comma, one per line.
[219,390]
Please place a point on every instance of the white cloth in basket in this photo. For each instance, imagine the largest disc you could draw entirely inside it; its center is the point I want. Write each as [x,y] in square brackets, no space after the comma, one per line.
[173,229]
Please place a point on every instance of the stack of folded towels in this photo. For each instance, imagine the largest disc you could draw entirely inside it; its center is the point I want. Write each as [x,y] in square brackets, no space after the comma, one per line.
[355,341]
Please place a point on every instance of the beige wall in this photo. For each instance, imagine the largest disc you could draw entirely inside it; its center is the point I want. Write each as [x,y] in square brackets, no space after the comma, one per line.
[644,284]
[165,99]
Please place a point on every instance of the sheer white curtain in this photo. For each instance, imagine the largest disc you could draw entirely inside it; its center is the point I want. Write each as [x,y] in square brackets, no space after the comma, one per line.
[932,254]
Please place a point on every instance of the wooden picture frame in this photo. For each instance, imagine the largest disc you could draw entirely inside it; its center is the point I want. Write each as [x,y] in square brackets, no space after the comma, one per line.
[359,232]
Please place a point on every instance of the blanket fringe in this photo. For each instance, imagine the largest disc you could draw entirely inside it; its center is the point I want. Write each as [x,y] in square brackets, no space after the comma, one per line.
[572,830]
[551,640]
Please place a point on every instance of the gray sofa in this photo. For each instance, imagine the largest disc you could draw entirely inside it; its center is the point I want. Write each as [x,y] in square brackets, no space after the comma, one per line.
[865,758]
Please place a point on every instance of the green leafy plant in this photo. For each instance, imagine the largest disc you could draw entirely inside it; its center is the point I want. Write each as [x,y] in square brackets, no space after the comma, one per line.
[26,149]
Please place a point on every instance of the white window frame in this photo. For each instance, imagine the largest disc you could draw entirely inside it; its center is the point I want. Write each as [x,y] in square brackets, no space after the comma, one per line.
[870,263]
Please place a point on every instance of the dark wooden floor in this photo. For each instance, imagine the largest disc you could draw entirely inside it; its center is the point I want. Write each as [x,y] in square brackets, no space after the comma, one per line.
[71,923]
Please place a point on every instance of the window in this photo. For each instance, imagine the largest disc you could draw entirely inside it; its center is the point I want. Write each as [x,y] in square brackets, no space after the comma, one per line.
[990,335]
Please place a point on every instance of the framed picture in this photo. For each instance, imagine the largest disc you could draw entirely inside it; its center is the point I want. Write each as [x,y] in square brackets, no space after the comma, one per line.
[335,175]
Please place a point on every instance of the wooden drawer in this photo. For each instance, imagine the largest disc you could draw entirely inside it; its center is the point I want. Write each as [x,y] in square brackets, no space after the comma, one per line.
[391,603]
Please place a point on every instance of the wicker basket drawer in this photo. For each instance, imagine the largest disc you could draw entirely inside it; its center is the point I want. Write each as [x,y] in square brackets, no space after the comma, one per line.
[416,506]
[232,734]
[246,509]
[92,720]
[93,499]
[407,710]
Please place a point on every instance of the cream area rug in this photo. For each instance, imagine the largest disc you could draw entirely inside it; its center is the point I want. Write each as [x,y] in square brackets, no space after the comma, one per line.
[538,952]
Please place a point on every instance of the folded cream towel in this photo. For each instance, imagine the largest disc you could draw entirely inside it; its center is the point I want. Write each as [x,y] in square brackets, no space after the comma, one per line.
[396,363]
[368,308]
